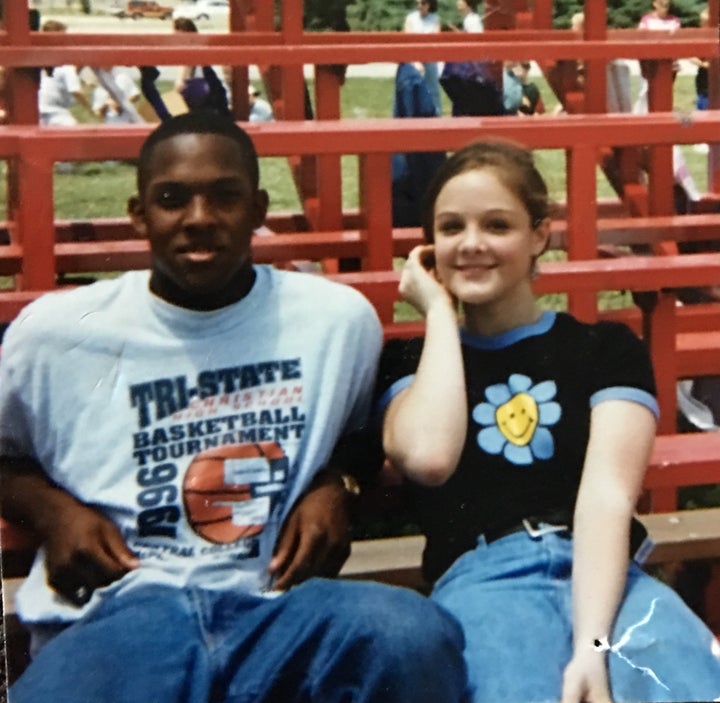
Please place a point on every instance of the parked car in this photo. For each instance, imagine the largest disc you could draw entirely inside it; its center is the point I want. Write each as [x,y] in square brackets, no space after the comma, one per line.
[145,8]
[203,10]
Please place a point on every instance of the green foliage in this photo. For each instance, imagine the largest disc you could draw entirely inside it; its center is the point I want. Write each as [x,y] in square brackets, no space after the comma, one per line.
[627,13]
[374,15]
[388,15]
[324,14]
[563,10]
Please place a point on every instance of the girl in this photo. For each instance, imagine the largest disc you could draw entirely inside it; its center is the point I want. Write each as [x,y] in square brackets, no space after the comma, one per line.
[525,435]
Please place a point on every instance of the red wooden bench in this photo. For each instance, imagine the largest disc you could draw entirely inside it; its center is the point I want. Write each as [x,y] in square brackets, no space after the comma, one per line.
[683,342]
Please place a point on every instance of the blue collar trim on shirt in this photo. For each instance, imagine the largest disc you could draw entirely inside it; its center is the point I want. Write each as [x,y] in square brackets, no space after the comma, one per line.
[506,339]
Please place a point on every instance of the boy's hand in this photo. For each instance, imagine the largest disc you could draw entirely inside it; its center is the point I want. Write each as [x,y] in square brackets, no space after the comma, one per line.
[315,539]
[84,551]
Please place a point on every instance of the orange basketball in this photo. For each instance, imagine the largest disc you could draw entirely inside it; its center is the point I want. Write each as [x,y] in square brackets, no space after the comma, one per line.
[228,490]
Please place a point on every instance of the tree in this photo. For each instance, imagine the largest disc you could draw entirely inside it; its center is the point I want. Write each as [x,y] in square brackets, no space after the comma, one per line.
[376,15]
[627,13]
[388,15]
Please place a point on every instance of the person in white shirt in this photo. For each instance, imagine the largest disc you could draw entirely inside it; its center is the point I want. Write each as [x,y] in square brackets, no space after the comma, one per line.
[471,20]
[260,109]
[59,88]
[107,107]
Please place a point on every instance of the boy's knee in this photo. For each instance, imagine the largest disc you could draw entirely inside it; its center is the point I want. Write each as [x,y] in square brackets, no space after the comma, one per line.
[400,621]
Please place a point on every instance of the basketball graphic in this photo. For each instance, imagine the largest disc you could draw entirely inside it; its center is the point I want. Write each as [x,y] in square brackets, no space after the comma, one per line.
[228,491]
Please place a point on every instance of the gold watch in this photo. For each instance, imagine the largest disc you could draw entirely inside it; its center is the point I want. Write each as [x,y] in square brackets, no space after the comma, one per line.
[350,484]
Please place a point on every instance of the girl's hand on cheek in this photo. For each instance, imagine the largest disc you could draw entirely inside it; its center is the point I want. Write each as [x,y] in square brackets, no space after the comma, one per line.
[419,284]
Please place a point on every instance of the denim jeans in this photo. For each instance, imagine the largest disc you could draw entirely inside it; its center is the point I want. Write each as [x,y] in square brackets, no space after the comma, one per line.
[513,599]
[324,641]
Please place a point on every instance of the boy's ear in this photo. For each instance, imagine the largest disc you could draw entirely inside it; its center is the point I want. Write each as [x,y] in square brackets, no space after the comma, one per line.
[262,202]
[136,212]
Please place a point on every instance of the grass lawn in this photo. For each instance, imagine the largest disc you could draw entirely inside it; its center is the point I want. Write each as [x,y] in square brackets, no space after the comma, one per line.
[97,190]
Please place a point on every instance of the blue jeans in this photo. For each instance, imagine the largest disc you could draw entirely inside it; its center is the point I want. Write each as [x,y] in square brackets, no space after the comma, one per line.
[324,641]
[513,599]
[432,81]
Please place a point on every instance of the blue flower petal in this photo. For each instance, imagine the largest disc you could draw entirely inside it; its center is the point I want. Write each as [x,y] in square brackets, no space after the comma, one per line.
[484,414]
[518,455]
[519,383]
[491,440]
[542,444]
[498,394]
[544,391]
[549,413]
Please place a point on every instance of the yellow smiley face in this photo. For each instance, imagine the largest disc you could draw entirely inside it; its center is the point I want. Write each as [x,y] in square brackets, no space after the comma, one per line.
[518,418]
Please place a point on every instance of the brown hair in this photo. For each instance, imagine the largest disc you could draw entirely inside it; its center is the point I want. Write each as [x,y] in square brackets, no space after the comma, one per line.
[432,5]
[184,24]
[512,163]
[54,26]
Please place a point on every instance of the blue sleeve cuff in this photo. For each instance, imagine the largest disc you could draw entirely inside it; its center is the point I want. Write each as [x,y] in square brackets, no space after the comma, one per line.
[385,399]
[634,395]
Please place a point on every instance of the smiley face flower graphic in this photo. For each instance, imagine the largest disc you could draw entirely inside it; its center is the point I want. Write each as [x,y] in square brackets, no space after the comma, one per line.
[515,419]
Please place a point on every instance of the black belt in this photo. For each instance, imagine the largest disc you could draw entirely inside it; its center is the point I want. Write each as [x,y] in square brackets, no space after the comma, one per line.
[561,521]
[557,521]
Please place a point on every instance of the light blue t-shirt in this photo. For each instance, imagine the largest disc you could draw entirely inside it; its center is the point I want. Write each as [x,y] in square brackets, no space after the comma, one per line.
[194,431]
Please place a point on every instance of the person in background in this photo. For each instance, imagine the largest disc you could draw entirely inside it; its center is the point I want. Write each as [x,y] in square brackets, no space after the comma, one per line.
[531,102]
[661,19]
[470,19]
[512,89]
[524,436]
[520,95]
[702,84]
[200,87]
[658,20]
[411,171]
[260,109]
[106,107]
[474,87]
[60,88]
[187,26]
[701,77]
[424,20]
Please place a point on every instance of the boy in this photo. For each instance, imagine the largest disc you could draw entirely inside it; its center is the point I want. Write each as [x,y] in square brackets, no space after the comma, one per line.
[163,433]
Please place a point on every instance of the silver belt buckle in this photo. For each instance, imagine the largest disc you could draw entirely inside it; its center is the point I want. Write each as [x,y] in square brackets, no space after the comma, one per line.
[543,528]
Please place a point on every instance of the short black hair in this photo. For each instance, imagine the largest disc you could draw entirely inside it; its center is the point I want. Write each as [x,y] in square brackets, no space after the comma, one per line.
[198,122]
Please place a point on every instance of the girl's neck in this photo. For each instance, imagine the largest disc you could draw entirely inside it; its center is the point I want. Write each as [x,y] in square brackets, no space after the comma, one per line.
[497,318]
